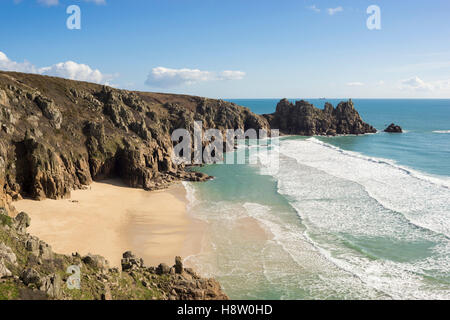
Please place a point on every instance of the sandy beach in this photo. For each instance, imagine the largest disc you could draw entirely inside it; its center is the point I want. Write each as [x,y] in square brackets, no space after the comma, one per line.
[109,218]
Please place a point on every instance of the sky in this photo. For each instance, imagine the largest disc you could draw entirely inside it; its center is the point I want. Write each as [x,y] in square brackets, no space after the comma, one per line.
[236,48]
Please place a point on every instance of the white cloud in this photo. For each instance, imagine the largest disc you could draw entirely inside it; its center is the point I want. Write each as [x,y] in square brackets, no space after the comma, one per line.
[74,71]
[355,84]
[165,77]
[333,11]
[314,8]
[416,84]
[8,65]
[69,70]
[231,75]
[442,85]
[162,77]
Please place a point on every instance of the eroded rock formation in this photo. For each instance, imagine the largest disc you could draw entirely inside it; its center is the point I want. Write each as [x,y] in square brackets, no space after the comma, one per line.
[303,118]
[58,135]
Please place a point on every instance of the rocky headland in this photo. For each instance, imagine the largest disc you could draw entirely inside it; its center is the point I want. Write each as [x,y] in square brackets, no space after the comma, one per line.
[303,118]
[58,135]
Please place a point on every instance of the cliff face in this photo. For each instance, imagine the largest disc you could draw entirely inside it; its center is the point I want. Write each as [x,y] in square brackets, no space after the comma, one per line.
[302,118]
[57,135]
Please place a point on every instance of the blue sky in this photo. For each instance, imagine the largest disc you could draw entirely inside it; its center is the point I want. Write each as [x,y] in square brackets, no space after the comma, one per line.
[236,48]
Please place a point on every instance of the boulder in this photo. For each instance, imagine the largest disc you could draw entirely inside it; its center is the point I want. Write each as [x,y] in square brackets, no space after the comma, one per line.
[96,261]
[4,271]
[130,262]
[32,245]
[31,276]
[178,265]
[163,269]
[7,254]
[52,285]
[128,255]
[393,128]
[45,251]
[22,222]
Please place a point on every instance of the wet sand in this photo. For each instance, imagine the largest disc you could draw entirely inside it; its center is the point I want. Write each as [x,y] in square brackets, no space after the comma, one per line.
[109,218]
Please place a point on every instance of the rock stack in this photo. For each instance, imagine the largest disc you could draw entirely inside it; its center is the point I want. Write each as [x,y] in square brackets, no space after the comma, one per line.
[303,118]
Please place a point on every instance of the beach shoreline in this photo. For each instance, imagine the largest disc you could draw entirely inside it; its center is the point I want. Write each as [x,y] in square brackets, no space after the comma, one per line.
[109,218]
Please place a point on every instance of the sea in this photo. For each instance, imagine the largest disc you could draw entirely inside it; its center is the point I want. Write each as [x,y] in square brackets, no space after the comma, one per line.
[346,217]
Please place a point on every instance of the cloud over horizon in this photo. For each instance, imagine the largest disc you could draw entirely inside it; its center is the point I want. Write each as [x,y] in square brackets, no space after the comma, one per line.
[161,77]
[417,84]
[69,70]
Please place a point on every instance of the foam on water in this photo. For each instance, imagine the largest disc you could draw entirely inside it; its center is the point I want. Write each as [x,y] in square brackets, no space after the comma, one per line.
[441,131]
[281,265]
[349,226]
[422,199]
[383,223]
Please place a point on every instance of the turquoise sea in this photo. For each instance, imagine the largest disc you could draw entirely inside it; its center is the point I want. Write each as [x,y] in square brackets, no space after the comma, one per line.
[350,217]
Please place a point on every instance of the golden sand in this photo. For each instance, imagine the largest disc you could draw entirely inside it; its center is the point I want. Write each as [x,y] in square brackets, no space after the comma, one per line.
[109,219]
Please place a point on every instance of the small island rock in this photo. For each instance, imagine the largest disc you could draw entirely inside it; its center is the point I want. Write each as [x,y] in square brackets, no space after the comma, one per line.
[393,128]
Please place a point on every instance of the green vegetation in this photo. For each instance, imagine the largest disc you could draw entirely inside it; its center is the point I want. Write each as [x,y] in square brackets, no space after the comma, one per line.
[8,291]
[5,220]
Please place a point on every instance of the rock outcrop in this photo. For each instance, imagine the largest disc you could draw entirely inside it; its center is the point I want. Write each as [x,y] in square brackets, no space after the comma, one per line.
[303,118]
[393,128]
[183,284]
[58,135]
[29,269]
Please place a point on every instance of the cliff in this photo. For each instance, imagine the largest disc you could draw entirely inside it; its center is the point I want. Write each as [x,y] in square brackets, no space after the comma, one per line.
[57,135]
[303,118]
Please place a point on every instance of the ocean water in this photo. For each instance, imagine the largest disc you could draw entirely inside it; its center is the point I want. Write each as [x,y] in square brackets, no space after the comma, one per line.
[350,217]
